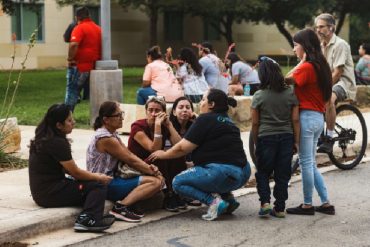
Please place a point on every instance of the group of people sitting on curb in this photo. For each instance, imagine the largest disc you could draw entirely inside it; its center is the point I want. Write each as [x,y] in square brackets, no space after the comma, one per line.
[194,160]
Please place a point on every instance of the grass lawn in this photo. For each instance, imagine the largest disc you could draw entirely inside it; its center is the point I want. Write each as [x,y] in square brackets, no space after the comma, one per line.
[40,89]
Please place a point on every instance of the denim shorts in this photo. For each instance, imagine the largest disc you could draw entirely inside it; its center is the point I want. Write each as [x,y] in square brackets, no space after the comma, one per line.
[119,187]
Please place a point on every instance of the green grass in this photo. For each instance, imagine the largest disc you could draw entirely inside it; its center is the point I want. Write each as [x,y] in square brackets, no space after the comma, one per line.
[40,89]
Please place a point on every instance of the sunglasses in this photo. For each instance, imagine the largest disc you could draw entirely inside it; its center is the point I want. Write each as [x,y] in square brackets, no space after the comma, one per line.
[264,58]
[155,97]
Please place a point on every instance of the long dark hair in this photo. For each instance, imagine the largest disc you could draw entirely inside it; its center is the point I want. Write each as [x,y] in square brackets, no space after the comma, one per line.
[106,109]
[308,39]
[173,118]
[188,56]
[154,52]
[221,100]
[271,76]
[233,57]
[47,128]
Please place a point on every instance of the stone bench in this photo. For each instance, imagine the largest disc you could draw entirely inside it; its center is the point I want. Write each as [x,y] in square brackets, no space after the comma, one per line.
[240,114]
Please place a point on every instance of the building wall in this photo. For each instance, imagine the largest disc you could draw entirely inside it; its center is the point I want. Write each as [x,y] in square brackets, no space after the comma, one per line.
[130,38]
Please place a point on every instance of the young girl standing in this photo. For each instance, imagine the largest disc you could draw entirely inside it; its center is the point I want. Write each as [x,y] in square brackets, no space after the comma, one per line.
[275,130]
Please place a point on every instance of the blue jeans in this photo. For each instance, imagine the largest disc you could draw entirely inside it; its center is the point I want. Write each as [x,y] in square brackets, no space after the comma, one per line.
[72,87]
[274,155]
[143,93]
[199,182]
[312,124]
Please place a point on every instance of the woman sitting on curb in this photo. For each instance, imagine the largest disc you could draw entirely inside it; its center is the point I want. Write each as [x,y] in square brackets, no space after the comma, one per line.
[106,153]
[50,160]
[151,134]
[217,152]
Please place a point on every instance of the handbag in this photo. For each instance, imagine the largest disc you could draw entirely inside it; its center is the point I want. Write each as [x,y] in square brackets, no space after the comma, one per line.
[125,171]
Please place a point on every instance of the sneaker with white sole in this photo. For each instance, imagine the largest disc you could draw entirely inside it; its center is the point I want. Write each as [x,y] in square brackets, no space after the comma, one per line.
[265,210]
[122,212]
[87,223]
[217,207]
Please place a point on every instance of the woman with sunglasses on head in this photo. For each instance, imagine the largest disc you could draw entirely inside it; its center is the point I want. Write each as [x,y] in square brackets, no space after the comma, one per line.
[151,134]
[313,87]
[275,131]
[191,76]
[49,162]
[158,79]
[220,163]
[107,153]
[242,75]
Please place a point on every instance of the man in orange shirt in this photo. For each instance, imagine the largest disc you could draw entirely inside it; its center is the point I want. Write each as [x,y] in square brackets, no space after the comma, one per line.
[84,51]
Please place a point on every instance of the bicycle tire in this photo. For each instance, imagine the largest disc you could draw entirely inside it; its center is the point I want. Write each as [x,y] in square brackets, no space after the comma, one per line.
[252,153]
[350,153]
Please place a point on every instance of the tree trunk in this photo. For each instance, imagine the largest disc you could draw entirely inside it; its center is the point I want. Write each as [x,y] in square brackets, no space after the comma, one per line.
[284,32]
[229,29]
[342,16]
[153,17]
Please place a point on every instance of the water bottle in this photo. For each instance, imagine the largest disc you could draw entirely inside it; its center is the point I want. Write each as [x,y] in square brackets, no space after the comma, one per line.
[247,90]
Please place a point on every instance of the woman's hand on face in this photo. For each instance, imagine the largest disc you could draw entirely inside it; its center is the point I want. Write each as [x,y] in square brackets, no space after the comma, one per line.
[157,155]
[160,118]
[104,179]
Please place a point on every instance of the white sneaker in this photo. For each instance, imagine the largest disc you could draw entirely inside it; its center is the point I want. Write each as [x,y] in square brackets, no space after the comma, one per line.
[217,207]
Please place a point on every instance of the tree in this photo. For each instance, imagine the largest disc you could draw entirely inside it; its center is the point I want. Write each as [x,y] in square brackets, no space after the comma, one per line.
[287,13]
[152,9]
[222,14]
[342,8]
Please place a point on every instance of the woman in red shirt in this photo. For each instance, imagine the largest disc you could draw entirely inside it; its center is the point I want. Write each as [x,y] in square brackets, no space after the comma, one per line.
[313,84]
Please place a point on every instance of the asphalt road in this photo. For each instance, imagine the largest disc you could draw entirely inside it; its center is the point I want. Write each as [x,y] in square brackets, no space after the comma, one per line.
[349,191]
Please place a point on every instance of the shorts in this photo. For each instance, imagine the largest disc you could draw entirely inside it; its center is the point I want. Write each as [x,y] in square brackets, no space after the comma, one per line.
[119,187]
[340,93]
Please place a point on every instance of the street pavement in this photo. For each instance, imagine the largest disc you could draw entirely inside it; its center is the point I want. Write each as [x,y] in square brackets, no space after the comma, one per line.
[22,219]
[349,191]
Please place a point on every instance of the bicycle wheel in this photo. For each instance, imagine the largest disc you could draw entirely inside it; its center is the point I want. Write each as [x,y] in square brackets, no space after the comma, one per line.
[252,149]
[350,137]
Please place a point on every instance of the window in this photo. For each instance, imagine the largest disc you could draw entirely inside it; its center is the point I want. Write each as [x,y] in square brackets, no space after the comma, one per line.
[94,13]
[210,32]
[173,25]
[26,18]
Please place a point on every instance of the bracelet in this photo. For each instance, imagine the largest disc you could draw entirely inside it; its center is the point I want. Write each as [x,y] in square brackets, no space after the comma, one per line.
[157,135]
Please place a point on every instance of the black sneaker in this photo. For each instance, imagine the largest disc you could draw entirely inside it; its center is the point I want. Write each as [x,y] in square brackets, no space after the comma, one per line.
[326,145]
[121,212]
[326,210]
[136,210]
[170,204]
[181,204]
[87,223]
[300,210]
[192,202]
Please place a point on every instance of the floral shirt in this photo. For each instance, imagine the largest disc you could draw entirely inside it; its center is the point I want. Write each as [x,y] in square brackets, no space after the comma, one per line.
[101,162]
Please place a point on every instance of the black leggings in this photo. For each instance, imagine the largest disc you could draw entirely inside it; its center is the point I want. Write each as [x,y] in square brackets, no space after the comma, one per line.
[67,193]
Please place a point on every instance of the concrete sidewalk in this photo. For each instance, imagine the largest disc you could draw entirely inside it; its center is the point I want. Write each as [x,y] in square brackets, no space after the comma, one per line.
[22,219]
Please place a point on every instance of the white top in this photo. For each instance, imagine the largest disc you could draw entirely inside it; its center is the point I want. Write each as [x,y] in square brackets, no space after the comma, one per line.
[193,84]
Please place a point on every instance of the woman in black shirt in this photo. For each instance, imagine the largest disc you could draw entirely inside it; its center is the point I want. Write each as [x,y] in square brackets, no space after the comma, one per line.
[218,155]
[50,160]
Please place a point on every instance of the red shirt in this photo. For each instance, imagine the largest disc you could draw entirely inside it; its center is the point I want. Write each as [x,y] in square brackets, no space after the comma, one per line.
[88,36]
[142,125]
[307,88]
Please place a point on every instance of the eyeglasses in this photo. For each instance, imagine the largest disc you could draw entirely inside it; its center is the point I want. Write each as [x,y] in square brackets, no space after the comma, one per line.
[321,26]
[120,115]
[264,58]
